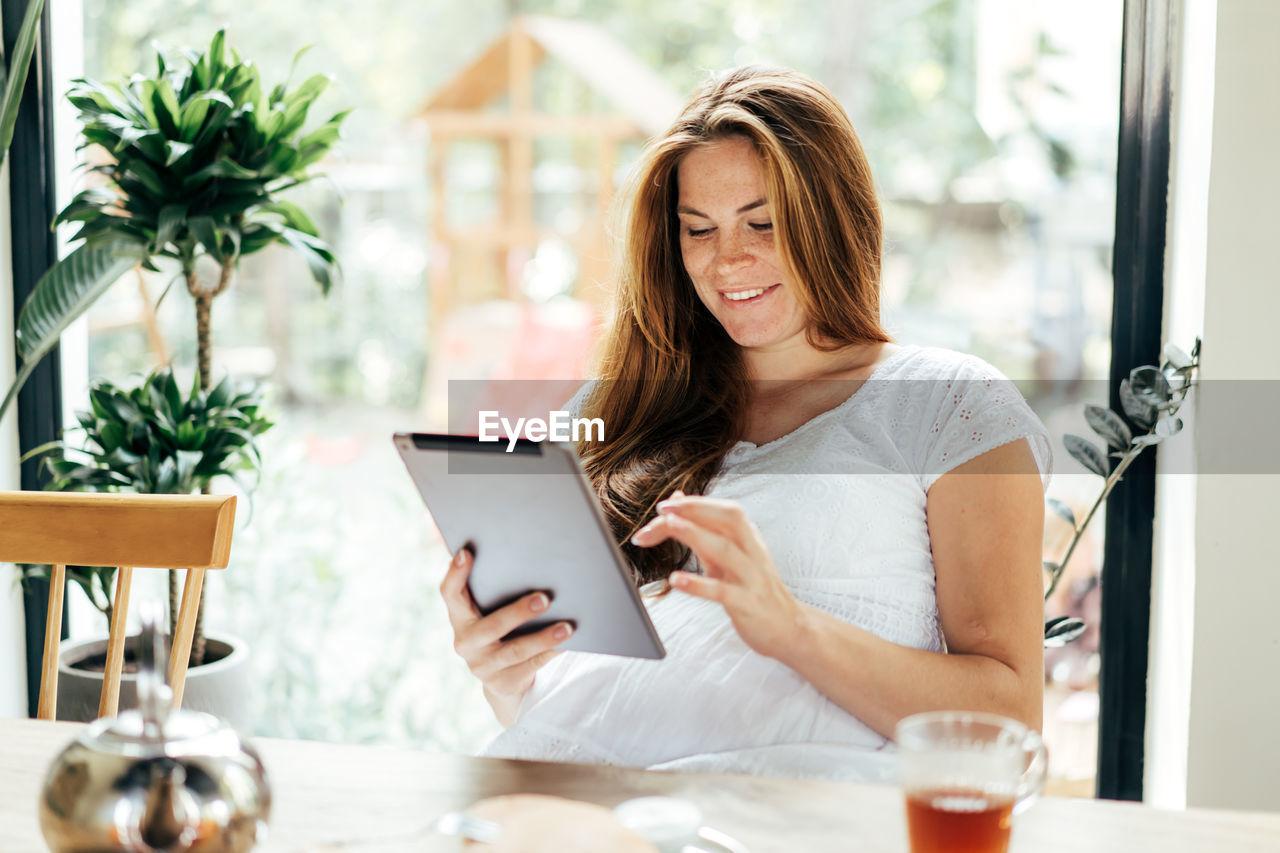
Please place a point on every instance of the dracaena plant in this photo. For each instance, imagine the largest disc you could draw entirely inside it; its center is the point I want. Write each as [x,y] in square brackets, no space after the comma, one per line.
[1150,398]
[195,159]
[154,439]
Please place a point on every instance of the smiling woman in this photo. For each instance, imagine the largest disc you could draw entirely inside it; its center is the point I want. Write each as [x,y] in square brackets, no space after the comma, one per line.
[834,531]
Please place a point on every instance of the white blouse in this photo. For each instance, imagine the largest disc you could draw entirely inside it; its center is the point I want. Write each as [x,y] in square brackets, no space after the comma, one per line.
[840,501]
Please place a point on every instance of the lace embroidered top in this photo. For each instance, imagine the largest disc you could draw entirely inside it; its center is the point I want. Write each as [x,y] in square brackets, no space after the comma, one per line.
[840,501]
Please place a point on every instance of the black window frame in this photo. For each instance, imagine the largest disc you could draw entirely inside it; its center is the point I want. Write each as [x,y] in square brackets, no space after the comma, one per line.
[32,206]
[1142,181]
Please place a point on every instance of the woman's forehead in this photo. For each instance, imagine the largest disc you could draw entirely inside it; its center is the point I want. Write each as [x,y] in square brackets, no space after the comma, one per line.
[724,171]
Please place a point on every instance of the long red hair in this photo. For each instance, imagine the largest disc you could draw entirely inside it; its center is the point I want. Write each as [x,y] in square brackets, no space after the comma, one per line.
[674,391]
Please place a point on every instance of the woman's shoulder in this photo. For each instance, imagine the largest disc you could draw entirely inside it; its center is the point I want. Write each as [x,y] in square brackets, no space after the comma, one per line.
[914,361]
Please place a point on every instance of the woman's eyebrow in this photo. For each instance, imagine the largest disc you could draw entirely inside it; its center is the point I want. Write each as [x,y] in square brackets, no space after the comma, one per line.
[684,208]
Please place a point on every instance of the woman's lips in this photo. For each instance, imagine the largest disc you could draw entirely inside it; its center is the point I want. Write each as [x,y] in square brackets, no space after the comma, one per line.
[760,294]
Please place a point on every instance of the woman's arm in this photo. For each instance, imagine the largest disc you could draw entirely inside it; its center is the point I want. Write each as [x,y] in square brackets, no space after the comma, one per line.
[986,520]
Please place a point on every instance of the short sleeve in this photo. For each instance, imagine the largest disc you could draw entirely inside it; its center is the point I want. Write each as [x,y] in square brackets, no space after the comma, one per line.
[975,408]
[579,399]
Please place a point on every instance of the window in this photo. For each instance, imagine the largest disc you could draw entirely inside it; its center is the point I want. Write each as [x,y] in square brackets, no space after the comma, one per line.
[991,128]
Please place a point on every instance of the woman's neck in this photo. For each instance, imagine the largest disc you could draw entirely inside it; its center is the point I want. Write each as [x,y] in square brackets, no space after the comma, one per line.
[798,360]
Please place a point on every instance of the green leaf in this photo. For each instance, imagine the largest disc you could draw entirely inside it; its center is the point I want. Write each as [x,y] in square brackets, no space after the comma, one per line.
[165,104]
[1139,411]
[1061,510]
[1062,630]
[177,150]
[16,76]
[216,59]
[1084,452]
[317,143]
[1109,426]
[222,168]
[207,233]
[294,216]
[148,177]
[317,255]
[219,393]
[87,204]
[172,217]
[172,394]
[61,295]
[1151,386]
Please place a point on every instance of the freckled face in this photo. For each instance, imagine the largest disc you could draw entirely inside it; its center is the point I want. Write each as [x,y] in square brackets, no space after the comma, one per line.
[727,242]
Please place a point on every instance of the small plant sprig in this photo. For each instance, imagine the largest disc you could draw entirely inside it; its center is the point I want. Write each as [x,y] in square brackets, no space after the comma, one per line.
[1150,397]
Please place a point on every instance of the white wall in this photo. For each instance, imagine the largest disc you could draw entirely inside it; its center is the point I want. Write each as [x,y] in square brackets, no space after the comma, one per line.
[1173,578]
[1231,751]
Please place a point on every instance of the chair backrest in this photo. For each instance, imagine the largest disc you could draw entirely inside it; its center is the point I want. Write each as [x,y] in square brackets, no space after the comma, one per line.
[191,532]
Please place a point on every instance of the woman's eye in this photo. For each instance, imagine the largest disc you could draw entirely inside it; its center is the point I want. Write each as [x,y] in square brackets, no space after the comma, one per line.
[697,232]
[762,226]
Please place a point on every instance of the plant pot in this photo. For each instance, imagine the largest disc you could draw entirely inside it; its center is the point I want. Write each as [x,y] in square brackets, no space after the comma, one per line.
[220,687]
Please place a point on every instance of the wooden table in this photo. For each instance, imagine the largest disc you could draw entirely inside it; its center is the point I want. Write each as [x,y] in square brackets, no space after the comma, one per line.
[363,799]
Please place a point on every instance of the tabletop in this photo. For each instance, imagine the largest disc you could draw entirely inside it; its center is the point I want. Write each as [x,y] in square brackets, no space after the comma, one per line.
[332,797]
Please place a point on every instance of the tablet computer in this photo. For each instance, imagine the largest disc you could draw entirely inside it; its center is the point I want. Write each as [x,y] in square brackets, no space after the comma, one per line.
[534,523]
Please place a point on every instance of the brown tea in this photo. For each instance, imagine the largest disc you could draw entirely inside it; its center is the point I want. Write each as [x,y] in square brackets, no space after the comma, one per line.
[958,821]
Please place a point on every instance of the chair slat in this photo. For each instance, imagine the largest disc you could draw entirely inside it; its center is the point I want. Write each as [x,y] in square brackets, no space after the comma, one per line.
[183,634]
[110,701]
[52,640]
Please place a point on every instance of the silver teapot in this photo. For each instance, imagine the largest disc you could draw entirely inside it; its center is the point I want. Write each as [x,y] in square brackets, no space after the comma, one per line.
[155,780]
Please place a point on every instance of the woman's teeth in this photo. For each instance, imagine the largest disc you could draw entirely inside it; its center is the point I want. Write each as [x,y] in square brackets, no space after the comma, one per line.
[745,294]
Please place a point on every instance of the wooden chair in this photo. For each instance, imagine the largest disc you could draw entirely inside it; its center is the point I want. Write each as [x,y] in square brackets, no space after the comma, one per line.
[191,532]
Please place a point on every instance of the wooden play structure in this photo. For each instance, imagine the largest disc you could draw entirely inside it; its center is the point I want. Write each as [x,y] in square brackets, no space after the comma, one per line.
[494,103]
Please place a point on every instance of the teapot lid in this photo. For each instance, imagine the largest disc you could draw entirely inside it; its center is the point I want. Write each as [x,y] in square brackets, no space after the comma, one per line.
[155,729]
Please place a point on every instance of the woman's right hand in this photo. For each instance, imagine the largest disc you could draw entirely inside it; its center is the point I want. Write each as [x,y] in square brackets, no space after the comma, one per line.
[505,668]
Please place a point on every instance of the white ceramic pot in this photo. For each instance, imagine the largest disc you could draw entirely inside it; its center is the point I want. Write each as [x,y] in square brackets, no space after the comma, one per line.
[221,688]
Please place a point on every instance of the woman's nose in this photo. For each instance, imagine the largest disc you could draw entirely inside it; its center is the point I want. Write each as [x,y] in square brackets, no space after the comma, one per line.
[731,254]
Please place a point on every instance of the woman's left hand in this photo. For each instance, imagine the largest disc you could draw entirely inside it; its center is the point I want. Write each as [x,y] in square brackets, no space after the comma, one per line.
[737,569]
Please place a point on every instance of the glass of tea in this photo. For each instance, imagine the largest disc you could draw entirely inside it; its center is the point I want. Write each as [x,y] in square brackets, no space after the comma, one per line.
[965,775]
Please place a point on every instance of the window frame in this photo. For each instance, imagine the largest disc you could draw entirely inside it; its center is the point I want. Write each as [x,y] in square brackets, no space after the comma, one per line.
[1142,180]
[32,206]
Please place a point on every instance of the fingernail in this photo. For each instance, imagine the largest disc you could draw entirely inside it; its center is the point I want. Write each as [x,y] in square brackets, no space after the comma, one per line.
[677,579]
[457,558]
[563,630]
[539,603]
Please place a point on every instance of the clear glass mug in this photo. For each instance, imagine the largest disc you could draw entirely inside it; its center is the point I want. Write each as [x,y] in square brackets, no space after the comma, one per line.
[965,775]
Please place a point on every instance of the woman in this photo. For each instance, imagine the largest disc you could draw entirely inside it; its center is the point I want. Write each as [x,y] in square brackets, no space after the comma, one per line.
[797,493]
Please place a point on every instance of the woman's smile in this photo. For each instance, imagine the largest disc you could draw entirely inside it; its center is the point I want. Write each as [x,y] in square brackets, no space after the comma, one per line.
[747,298]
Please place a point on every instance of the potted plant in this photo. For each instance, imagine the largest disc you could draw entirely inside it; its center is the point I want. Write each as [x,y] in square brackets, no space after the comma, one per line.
[198,156]
[150,439]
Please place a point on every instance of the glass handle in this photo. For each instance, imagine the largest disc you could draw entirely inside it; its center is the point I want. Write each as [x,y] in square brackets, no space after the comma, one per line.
[1032,781]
